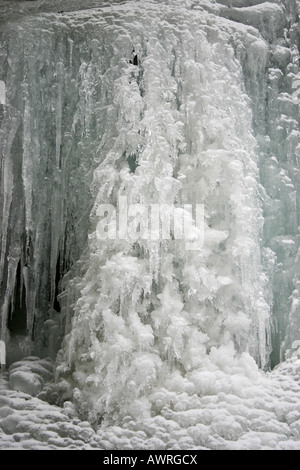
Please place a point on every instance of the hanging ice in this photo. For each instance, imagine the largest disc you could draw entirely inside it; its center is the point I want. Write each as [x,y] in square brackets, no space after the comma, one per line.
[2,354]
[162,103]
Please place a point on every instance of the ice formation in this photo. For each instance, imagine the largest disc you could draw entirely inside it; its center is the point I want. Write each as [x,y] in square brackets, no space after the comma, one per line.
[162,102]
[2,354]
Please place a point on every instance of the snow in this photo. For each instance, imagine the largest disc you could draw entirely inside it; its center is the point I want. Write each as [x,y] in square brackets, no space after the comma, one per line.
[227,411]
[30,375]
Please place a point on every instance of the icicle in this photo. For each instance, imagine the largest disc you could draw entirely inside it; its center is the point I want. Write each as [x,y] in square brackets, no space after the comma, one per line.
[2,354]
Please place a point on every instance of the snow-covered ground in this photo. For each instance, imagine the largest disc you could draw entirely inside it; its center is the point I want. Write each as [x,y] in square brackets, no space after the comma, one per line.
[255,412]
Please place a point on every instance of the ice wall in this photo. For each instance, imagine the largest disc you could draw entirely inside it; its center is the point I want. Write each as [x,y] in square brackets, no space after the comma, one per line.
[49,145]
[163,102]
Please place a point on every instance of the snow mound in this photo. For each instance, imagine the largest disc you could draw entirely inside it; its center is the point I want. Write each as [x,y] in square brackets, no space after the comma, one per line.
[30,375]
[26,381]
[30,424]
[228,412]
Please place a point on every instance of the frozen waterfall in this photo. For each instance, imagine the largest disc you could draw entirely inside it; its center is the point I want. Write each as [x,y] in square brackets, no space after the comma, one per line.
[163,102]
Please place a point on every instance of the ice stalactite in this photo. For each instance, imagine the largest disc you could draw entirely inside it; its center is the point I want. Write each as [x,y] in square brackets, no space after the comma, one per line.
[47,160]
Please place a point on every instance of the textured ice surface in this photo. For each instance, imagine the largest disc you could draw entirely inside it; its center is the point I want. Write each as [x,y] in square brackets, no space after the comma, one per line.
[163,102]
[228,412]
[30,375]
